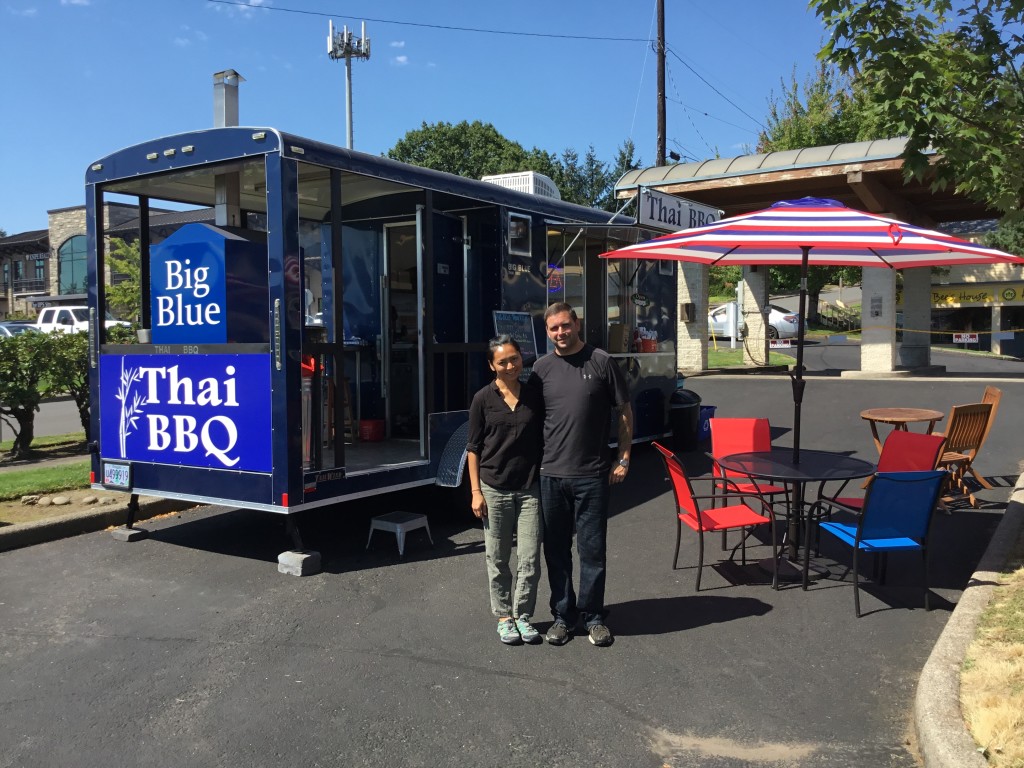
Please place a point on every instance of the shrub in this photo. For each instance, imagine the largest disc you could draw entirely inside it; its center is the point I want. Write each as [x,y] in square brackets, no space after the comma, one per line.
[26,361]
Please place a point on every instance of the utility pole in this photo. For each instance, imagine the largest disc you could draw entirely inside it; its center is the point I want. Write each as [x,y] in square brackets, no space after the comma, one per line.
[661,82]
[343,45]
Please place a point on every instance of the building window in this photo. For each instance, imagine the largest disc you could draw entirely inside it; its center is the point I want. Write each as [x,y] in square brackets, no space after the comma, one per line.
[71,265]
[40,269]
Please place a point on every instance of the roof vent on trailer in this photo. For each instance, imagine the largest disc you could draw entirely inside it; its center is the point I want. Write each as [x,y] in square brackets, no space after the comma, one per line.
[526,181]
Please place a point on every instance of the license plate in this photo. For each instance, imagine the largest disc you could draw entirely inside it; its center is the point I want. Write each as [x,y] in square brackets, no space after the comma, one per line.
[117,475]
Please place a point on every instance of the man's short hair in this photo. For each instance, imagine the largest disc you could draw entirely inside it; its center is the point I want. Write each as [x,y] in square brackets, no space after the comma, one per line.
[557,308]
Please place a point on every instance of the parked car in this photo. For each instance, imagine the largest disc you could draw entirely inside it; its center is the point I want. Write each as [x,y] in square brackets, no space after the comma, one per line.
[10,328]
[782,324]
[70,319]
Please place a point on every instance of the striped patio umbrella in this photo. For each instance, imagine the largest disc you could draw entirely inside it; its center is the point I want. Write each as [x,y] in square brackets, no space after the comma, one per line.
[818,232]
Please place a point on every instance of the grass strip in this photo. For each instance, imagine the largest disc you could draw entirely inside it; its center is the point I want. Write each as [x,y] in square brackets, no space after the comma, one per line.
[992,678]
[50,441]
[42,480]
[733,358]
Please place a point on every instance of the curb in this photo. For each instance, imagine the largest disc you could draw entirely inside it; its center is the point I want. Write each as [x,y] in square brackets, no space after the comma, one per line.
[942,734]
[75,523]
[735,371]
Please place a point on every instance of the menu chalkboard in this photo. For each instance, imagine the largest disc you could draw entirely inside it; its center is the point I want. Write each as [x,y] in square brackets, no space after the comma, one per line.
[518,325]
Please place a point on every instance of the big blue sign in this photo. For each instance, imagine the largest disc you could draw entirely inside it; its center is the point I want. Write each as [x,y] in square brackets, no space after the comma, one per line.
[194,410]
[188,287]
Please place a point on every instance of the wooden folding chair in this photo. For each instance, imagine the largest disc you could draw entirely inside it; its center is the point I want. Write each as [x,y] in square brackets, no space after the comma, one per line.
[992,396]
[965,432]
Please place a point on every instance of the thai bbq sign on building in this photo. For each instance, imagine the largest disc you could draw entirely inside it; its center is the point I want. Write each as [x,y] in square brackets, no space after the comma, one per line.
[670,214]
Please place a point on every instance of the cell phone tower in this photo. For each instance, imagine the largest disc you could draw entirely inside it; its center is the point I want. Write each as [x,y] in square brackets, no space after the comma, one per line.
[344,45]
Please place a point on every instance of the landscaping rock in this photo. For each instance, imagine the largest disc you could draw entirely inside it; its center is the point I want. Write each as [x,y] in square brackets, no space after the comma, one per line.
[30,500]
[61,501]
[44,501]
[89,499]
[106,500]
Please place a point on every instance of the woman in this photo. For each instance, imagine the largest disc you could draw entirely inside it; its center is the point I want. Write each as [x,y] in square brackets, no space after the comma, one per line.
[505,428]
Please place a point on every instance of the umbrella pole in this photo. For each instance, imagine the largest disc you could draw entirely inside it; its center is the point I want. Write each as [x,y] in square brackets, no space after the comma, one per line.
[798,375]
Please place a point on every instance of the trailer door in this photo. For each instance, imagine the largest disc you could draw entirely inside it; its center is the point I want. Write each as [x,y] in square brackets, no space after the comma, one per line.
[401,321]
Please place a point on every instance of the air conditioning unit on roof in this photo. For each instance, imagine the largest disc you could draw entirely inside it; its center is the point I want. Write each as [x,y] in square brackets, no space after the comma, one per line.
[526,181]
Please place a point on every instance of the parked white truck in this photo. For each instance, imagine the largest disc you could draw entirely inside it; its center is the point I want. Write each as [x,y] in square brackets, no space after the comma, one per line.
[69,319]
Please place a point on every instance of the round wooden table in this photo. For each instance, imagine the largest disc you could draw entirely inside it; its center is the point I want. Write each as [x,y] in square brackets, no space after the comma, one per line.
[899,418]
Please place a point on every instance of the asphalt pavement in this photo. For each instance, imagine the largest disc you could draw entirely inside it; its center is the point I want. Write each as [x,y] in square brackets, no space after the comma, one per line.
[189,648]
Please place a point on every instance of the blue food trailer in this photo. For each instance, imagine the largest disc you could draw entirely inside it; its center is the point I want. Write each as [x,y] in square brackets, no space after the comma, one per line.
[316,330]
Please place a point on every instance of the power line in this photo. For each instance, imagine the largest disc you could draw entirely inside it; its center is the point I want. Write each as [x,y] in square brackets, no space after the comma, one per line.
[244,4]
[643,70]
[709,85]
[708,115]
[688,153]
[672,79]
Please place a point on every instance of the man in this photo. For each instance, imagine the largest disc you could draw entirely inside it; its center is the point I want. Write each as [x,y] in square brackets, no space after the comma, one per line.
[581,386]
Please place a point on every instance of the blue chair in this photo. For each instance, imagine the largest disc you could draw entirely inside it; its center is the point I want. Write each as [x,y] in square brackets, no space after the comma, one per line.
[896,516]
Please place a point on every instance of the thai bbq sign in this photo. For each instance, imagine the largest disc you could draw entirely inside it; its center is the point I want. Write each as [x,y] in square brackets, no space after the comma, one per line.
[670,213]
[193,410]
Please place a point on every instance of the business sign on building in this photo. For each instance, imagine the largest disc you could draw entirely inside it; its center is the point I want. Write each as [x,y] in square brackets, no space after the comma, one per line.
[194,410]
[973,295]
[670,213]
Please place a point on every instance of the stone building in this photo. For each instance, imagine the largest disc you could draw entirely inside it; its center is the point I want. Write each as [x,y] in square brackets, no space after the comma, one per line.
[46,267]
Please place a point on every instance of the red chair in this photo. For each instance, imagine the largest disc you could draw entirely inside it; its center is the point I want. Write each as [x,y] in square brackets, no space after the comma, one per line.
[730,435]
[901,452]
[739,516]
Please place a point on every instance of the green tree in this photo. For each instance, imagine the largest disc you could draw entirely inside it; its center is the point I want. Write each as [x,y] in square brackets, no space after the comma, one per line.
[1008,237]
[477,149]
[125,298]
[583,183]
[948,79]
[468,149]
[828,109]
[70,370]
[625,161]
[542,161]
[25,361]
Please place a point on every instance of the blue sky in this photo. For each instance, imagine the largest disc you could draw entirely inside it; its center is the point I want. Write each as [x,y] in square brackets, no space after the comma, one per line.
[82,78]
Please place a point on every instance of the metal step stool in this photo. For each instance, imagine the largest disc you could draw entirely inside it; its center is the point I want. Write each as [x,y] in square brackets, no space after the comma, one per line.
[399,523]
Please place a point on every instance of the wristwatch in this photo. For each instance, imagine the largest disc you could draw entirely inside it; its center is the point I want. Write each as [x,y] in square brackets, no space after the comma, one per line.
[624,463]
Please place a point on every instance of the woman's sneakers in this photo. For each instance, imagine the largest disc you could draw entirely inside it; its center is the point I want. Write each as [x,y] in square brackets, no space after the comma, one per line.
[508,633]
[516,631]
[527,631]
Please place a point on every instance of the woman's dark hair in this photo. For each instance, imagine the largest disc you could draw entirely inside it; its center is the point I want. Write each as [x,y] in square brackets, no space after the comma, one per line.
[501,340]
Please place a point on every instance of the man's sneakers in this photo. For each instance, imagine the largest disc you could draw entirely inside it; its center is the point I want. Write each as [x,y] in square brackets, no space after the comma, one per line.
[527,631]
[599,635]
[558,634]
[508,633]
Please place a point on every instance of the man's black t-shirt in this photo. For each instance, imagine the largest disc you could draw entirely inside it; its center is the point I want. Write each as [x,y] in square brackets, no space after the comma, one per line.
[580,391]
[507,441]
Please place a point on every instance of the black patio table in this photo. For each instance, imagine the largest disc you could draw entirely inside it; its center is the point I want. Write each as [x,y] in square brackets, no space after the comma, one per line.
[777,466]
